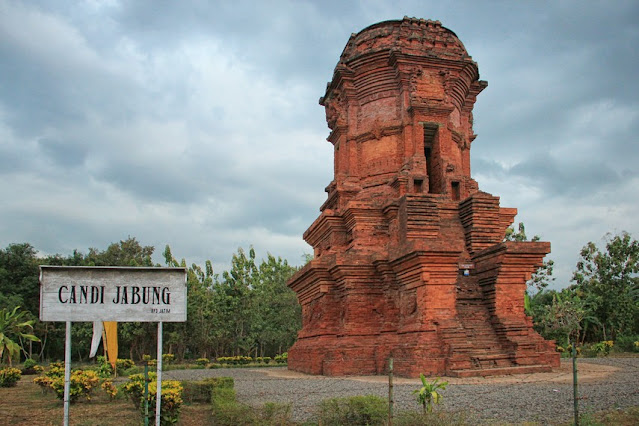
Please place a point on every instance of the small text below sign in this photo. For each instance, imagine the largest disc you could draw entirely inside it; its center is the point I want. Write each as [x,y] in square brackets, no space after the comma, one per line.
[123,294]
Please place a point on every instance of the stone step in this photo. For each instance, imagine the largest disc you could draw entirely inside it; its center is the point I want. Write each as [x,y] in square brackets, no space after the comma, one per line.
[499,371]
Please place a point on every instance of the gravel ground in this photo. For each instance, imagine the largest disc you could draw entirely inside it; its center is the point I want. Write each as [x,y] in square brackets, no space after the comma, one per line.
[604,383]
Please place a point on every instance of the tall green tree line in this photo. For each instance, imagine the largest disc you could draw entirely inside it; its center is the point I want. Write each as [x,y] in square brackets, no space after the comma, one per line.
[602,301]
[249,310]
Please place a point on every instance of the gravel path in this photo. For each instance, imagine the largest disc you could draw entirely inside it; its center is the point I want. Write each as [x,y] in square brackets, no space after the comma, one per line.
[604,383]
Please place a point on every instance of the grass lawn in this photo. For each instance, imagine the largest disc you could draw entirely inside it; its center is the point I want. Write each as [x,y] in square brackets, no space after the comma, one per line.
[26,404]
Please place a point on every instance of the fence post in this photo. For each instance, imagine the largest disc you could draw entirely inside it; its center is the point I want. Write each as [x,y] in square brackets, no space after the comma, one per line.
[575,391]
[390,392]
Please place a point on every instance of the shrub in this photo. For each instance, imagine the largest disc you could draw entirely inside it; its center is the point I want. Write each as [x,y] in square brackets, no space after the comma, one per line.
[104,368]
[124,364]
[9,377]
[171,396]
[168,358]
[275,413]
[44,382]
[171,401]
[202,391]
[282,359]
[29,363]
[110,389]
[57,364]
[355,410]
[600,349]
[235,360]
[31,366]
[134,387]
[152,363]
[202,362]
[82,383]
[627,343]
[227,411]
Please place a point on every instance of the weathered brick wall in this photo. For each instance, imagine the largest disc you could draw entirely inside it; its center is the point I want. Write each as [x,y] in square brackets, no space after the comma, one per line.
[404,219]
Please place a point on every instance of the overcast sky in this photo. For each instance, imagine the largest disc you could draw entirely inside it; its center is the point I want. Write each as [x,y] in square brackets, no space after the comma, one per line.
[196,123]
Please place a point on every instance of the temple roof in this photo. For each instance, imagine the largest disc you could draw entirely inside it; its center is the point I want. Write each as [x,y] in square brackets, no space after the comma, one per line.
[410,36]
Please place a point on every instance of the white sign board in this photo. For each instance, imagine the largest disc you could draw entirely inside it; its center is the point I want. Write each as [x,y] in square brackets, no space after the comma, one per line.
[124,294]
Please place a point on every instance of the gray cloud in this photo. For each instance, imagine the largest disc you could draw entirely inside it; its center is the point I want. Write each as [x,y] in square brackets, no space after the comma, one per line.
[196,123]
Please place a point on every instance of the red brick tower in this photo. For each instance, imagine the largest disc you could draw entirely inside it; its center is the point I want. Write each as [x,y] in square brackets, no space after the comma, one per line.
[409,255]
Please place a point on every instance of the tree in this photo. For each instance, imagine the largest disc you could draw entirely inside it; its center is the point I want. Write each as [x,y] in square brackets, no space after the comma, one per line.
[519,235]
[13,326]
[542,277]
[238,301]
[127,252]
[562,320]
[19,278]
[279,315]
[610,280]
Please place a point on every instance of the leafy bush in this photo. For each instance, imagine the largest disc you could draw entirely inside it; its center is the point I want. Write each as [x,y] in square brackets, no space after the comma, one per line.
[627,343]
[202,391]
[110,389]
[29,363]
[134,387]
[55,369]
[275,413]
[354,410]
[9,377]
[171,396]
[282,359]
[600,349]
[31,366]
[235,360]
[202,362]
[171,401]
[227,411]
[168,358]
[104,368]
[124,364]
[82,383]
[152,363]
[44,382]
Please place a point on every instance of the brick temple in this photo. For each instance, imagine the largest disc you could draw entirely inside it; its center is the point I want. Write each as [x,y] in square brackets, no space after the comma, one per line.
[409,255]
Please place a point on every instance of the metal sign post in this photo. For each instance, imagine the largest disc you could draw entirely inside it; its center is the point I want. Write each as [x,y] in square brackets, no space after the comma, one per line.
[158,391]
[67,372]
[122,294]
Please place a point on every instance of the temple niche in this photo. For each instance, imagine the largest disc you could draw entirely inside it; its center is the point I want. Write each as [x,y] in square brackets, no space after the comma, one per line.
[409,258]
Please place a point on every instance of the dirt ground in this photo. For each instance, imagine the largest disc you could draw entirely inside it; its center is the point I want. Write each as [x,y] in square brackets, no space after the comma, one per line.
[26,404]
[588,372]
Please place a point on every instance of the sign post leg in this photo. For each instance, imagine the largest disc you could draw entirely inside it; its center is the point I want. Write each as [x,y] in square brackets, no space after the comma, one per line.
[67,372]
[158,393]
